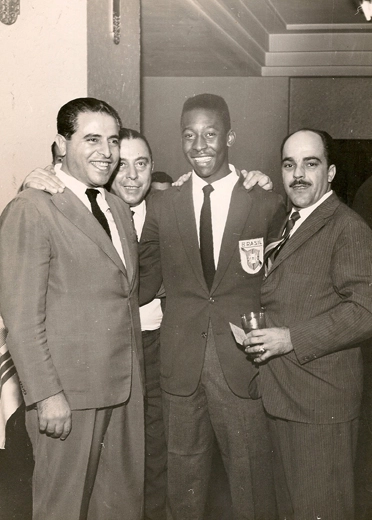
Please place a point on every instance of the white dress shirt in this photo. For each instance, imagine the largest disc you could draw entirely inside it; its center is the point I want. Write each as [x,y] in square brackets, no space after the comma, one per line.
[151,313]
[220,204]
[79,188]
[306,212]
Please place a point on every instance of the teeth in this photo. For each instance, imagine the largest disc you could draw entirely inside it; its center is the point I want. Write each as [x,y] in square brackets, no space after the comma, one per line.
[101,165]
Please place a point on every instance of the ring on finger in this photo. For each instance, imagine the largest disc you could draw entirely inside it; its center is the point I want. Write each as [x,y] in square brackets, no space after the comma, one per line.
[262,350]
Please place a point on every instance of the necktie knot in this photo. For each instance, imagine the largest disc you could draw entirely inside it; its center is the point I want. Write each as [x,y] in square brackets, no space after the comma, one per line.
[291,222]
[92,193]
[207,190]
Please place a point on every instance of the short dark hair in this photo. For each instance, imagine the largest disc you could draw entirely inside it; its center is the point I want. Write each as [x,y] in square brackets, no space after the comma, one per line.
[161,177]
[69,113]
[129,133]
[209,102]
[327,140]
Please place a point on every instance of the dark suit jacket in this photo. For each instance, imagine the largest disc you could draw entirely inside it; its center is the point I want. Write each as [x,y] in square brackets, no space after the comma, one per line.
[320,286]
[70,305]
[169,251]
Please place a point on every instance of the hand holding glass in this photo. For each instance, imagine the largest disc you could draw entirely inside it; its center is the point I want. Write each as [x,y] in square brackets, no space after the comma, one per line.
[253,321]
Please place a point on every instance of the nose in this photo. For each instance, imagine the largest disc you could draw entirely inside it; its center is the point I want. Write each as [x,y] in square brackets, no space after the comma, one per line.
[298,172]
[104,148]
[132,172]
[199,143]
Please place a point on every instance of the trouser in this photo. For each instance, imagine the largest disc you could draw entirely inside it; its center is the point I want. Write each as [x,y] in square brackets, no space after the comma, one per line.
[156,449]
[97,472]
[314,469]
[240,427]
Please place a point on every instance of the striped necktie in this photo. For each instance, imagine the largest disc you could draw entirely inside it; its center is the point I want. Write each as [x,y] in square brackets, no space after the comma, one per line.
[272,250]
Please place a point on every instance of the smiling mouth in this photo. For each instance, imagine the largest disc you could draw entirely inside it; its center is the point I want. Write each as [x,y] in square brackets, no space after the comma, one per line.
[101,165]
[203,160]
[132,187]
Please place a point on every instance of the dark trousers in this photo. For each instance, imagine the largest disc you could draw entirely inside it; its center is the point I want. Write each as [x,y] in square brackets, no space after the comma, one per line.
[156,451]
[97,472]
[314,469]
[240,428]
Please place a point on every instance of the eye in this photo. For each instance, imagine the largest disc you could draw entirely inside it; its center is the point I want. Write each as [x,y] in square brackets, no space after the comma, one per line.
[210,135]
[122,165]
[287,165]
[142,164]
[188,135]
[311,164]
[92,140]
[114,141]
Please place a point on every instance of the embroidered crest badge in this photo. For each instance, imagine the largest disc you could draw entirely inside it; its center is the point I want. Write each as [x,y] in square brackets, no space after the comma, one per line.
[251,254]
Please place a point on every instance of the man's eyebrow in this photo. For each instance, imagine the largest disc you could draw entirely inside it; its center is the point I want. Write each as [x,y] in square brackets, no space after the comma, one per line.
[89,136]
[310,158]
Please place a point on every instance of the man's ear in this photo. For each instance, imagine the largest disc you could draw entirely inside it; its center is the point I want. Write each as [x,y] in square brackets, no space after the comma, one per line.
[231,136]
[152,166]
[331,173]
[61,143]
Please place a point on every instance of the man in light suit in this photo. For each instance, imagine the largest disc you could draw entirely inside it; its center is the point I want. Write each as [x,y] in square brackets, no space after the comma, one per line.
[68,285]
[318,300]
[209,387]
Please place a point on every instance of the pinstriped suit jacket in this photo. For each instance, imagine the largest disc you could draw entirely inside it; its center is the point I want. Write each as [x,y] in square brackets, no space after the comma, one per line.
[320,286]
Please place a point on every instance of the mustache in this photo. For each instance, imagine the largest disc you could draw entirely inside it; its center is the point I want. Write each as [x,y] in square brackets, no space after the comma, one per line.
[299,183]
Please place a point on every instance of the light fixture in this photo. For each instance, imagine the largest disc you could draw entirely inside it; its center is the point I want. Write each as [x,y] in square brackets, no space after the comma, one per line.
[9,11]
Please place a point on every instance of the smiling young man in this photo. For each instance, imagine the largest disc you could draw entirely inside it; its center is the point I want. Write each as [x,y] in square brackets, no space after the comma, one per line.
[68,286]
[209,387]
[318,301]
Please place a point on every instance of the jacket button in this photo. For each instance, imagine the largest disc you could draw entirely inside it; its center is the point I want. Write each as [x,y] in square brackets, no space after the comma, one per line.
[204,335]
[211,300]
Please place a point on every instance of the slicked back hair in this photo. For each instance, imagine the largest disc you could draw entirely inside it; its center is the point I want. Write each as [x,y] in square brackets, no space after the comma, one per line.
[210,102]
[68,114]
[129,133]
[327,140]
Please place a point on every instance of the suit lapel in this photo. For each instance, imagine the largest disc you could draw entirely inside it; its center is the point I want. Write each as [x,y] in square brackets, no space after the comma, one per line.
[312,224]
[240,207]
[75,211]
[185,217]
[123,221]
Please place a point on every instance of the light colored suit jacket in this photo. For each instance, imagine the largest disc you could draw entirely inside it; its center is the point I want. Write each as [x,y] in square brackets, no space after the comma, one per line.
[169,251]
[320,286]
[68,302]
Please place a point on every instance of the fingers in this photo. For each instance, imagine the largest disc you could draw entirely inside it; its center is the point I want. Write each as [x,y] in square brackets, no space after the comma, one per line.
[182,179]
[45,180]
[254,177]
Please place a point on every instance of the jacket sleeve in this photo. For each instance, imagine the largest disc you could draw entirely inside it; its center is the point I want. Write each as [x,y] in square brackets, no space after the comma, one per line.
[350,321]
[24,265]
[149,254]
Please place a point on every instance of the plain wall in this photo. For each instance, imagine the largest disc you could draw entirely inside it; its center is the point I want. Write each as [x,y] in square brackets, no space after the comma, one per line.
[341,106]
[43,63]
[114,70]
[258,108]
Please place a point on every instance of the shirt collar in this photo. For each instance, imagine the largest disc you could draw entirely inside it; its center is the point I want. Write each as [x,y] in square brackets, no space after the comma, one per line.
[227,182]
[305,212]
[139,209]
[74,184]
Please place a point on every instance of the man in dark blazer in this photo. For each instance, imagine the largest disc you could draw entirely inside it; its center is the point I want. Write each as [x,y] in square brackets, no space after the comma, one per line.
[318,300]
[68,286]
[209,387]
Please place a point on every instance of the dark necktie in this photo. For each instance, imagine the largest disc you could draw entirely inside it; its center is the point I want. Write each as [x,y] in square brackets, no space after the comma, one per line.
[288,228]
[206,237]
[96,210]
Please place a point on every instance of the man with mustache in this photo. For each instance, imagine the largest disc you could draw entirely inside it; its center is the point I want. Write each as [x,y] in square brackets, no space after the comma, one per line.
[318,300]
